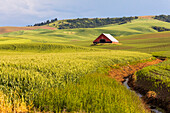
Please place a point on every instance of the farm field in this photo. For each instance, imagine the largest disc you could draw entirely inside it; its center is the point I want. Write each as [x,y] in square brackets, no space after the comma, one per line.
[147,43]
[82,36]
[45,48]
[132,36]
[9,29]
[57,81]
[60,70]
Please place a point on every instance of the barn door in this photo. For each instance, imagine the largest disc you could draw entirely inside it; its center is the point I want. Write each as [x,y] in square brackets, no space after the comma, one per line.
[102,41]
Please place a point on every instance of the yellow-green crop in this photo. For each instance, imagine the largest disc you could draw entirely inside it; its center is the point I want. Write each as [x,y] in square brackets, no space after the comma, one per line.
[45,78]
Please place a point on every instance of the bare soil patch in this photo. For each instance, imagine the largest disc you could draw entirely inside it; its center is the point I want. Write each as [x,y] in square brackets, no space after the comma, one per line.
[125,71]
[12,29]
[146,17]
[161,100]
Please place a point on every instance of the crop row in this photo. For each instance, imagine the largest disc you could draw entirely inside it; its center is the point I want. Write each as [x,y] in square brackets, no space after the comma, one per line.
[44,47]
[31,74]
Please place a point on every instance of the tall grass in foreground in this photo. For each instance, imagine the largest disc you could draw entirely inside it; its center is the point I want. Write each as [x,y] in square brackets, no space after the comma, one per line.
[13,104]
[93,93]
[51,79]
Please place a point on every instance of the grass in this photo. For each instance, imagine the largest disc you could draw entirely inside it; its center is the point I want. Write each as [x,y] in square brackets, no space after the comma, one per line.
[8,29]
[33,75]
[59,70]
[132,36]
[78,36]
[44,47]
[93,93]
[157,76]
[7,106]
[147,43]
[161,54]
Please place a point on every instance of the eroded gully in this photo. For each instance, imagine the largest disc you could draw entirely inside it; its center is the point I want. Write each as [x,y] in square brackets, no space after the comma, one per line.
[123,75]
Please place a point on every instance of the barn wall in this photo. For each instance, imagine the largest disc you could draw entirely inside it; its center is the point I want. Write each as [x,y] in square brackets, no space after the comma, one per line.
[115,42]
[102,37]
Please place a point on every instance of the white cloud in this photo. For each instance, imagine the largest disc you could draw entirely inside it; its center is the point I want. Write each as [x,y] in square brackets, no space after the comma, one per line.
[23,12]
[29,10]
[12,11]
[10,7]
[35,7]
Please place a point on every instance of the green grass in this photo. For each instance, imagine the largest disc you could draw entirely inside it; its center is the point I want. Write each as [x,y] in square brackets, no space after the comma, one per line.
[88,22]
[158,75]
[33,75]
[44,47]
[147,43]
[93,93]
[135,36]
[78,36]
[54,68]
[161,54]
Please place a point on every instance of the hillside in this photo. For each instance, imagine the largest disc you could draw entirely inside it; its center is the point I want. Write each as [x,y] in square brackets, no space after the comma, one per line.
[148,43]
[84,36]
[95,22]
[44,47]
[146,17]
[12,29]
[84,22]
[165,18]
[67,82]
[46,70]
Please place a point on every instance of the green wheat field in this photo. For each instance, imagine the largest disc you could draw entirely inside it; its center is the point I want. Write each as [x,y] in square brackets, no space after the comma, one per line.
[61,71]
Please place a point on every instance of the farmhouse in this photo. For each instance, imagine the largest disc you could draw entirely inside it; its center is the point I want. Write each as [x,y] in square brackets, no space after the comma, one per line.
[105,38]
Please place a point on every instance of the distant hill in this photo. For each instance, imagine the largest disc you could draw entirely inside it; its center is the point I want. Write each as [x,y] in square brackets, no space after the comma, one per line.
[12,29]
[82,36]
[95,22]
[85,22]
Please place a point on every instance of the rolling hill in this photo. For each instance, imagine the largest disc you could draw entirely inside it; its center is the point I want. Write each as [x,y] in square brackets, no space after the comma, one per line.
[84,22]
[13,29]
[85,36]
[59,70]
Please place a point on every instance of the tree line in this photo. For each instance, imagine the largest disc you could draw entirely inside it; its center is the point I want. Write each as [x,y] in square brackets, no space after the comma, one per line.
[165,18]
[44,23]
[85,22]
[92,23]
[160,29]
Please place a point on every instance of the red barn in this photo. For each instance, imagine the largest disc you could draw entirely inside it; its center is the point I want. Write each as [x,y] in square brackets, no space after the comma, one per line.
[105,38]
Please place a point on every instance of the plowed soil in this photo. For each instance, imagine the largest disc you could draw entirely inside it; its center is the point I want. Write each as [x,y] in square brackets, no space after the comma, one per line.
[145,17]
[12,29]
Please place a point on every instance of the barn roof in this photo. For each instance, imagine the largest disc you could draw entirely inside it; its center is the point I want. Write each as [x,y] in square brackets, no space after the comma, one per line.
[110,37]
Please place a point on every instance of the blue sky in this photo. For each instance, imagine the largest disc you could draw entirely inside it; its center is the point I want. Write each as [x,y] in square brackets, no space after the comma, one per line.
[26,12]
